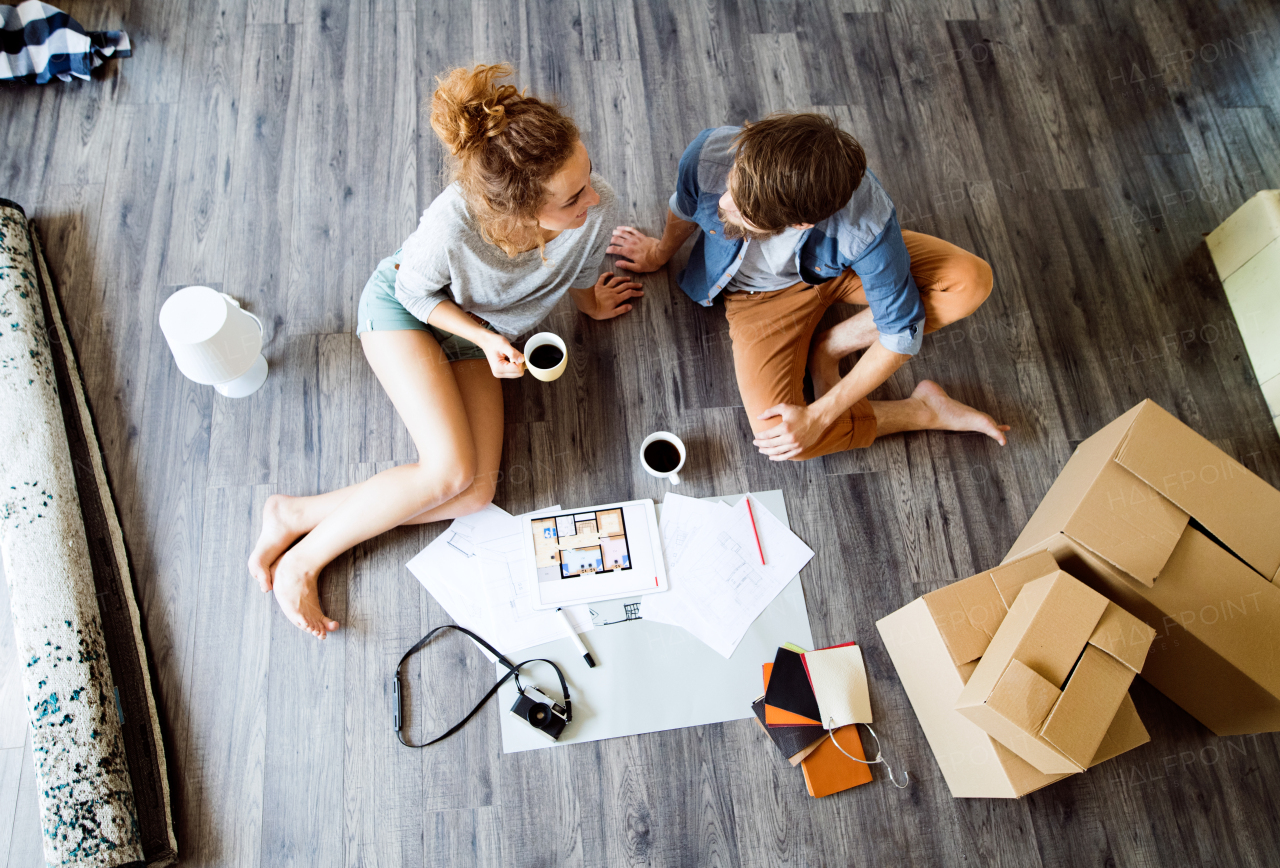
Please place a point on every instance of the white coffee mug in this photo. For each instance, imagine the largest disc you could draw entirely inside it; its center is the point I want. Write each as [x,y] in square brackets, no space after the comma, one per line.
[544,339]
[675,441]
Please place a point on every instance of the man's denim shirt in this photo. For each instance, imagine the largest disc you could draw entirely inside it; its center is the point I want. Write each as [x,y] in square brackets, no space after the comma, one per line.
[863,236]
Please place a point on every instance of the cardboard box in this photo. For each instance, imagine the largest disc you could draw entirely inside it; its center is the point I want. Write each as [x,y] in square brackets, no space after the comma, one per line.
[1055,674]
[1253,227]
[1217,647]
[935,643]
[1172,529]
[1129,490]
[1246,251]
[968,612]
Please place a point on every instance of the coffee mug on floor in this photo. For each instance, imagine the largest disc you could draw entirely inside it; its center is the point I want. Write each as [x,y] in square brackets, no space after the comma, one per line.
[662,455]
[546,356]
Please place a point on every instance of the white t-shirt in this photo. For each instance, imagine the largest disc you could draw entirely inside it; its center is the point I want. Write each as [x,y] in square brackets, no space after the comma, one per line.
[769,264]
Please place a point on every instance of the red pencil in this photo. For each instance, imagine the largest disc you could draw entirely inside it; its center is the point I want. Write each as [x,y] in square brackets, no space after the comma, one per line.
[754,531]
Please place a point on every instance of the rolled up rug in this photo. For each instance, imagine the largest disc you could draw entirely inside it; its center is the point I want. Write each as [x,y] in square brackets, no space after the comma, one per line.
[99,758]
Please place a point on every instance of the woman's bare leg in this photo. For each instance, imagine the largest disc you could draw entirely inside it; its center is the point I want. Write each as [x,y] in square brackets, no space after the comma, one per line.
[285,518]
[482,396]
[423,388]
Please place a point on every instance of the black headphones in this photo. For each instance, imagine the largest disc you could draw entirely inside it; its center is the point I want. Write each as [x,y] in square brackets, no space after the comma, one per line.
[513,671]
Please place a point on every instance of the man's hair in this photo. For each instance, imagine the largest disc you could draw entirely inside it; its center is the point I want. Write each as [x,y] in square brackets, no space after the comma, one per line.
[794,168]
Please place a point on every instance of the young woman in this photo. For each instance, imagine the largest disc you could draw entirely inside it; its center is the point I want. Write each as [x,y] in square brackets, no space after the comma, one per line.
[525,221]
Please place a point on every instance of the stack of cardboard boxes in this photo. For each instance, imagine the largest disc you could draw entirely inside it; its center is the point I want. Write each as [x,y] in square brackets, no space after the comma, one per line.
[1056,673]
[1020,675]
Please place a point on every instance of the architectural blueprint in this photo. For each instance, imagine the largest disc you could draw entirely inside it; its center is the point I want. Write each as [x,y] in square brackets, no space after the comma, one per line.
[718,585]
[682,519]
[473,569]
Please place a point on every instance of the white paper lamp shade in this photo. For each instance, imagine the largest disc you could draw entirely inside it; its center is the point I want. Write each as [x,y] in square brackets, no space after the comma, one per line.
[213,341]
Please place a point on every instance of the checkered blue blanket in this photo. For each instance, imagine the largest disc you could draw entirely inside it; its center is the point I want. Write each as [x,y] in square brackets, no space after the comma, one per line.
[39,42]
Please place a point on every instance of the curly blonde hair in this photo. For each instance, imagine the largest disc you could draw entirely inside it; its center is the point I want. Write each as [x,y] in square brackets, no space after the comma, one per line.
[505,145]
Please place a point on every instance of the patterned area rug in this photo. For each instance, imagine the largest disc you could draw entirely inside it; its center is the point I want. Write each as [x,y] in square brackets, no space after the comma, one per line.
[96,741]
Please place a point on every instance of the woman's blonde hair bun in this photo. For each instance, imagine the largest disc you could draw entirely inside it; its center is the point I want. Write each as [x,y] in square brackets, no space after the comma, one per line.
[469,107]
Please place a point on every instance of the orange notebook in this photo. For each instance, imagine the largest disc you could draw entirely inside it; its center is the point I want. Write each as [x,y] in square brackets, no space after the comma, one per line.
[828,771]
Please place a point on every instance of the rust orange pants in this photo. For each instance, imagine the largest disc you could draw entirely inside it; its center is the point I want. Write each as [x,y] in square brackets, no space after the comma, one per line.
[771,332]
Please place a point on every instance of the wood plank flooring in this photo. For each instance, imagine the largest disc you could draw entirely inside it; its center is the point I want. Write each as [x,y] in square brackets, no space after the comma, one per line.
[277,149]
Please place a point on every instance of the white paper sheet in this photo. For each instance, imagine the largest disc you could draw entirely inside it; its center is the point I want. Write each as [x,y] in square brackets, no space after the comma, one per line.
[453,577]
[682,519]
[511,596]
[481,591]
[718,586]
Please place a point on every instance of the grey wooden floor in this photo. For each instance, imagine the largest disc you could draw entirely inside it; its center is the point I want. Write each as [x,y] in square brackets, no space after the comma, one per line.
[278,148]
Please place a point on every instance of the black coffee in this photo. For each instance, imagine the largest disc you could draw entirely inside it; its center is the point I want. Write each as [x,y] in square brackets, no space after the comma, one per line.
[546,356]
[662,456]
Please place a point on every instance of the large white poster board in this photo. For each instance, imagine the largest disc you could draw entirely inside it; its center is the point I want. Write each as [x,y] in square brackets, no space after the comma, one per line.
[652,676]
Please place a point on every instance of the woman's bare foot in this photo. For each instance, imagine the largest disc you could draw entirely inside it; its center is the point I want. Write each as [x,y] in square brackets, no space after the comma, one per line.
[279,531]
[297,592]
[824,367]
[951,415]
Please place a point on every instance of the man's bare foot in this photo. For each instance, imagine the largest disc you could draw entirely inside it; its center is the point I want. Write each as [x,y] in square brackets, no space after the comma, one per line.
[298,594]
[951,415]
[824,367]
[278,533]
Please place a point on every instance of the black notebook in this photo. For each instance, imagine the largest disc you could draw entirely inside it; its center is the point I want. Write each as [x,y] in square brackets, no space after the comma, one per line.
[788,693]
[795,742]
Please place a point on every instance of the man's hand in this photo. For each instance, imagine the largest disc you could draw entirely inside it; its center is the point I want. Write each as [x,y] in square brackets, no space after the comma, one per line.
[607,298]
[798,428]
[642,253]
[505,361]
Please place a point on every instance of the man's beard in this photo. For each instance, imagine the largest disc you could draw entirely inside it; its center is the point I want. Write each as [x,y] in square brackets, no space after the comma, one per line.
[734,231]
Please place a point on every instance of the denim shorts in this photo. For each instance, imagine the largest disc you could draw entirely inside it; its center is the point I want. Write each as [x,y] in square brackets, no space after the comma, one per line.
[380,312]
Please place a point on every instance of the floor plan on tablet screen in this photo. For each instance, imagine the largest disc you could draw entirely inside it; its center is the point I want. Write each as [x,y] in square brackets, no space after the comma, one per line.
[594,553]
[580,543]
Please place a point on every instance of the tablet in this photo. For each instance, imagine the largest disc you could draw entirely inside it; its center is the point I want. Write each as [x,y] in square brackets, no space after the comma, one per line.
[594,553]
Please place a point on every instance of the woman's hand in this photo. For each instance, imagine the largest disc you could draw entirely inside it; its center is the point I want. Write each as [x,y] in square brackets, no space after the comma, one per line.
[607,298]
[505,361]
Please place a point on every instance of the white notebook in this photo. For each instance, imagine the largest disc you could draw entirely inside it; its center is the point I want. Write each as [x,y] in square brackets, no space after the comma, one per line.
[839,681]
